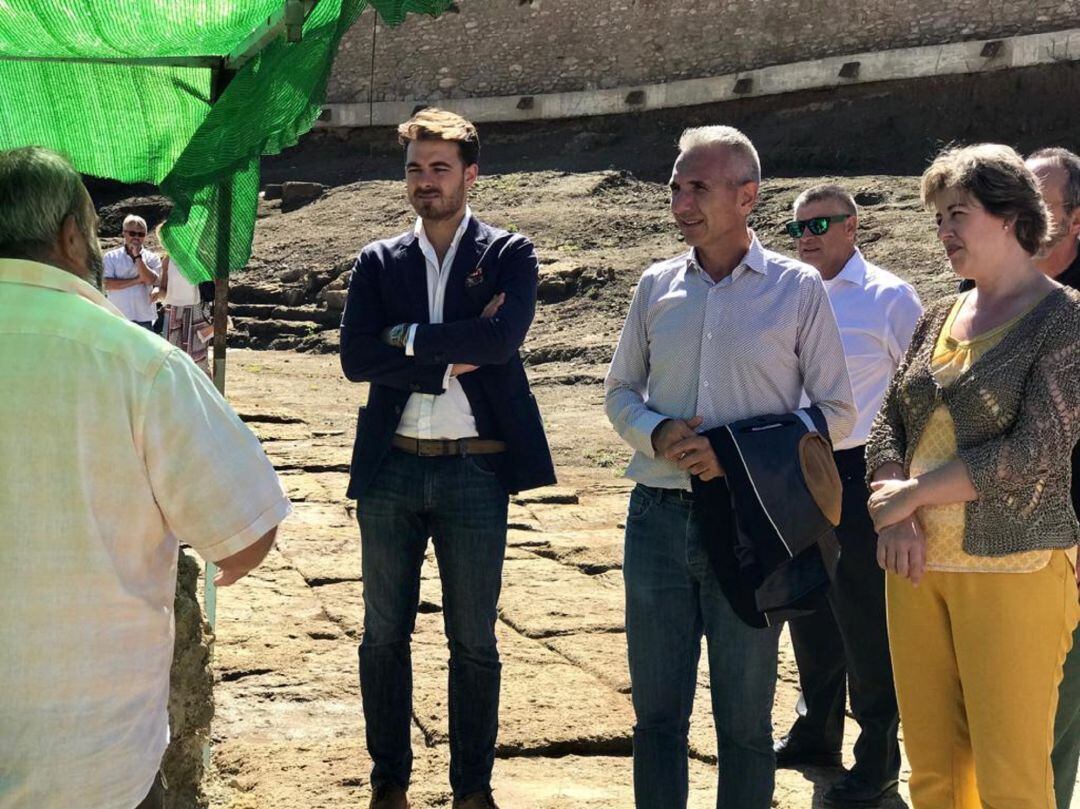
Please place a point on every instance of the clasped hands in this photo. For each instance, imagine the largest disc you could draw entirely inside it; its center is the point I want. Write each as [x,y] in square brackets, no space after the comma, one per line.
[901,546]
[677,441]
[398,334]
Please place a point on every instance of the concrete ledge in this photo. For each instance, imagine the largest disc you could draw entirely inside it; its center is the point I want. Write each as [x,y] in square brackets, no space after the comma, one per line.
[976,56]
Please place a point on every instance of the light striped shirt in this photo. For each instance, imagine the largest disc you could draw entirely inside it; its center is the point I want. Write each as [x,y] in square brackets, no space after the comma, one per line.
[113,444]
[744,346]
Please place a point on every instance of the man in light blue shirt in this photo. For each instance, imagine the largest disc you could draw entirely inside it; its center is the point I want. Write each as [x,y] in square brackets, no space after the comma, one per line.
[727,331]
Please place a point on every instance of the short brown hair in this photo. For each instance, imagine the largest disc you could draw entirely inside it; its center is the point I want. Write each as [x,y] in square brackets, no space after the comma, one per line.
[996,176]
[433,123]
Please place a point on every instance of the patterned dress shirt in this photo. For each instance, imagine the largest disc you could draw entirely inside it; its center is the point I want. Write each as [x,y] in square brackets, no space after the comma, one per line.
[744,346]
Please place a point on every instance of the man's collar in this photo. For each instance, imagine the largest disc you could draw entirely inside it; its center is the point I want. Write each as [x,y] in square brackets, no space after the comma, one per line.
[1070,276]
[46,276]
[418,231]
[753,260]
[854,271]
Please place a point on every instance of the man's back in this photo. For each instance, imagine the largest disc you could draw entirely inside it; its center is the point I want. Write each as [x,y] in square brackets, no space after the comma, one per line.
[111,441]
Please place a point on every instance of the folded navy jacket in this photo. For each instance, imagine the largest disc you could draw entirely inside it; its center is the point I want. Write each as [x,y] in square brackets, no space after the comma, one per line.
[769,522]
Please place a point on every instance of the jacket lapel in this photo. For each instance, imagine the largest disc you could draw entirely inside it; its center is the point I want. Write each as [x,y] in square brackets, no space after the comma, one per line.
[471,247]
[412,276]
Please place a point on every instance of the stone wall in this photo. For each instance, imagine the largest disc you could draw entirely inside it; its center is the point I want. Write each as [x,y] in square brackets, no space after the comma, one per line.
[526,47]
[191,698]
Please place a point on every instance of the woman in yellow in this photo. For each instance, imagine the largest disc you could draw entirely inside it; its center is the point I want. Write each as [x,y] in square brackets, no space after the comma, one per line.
[969,462]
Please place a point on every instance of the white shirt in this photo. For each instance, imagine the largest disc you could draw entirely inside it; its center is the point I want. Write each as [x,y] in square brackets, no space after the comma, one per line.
[747,345]
[134,301]
[877,313]
[114,445]
[447,414]
[179,290]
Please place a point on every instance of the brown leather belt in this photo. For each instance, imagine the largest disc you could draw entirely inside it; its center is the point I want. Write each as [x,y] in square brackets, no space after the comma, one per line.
[436,447]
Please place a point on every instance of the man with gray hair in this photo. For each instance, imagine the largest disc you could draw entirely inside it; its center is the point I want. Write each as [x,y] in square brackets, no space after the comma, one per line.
[110,439]
[845,647]
[1058,172]
[131,273]
[726,331]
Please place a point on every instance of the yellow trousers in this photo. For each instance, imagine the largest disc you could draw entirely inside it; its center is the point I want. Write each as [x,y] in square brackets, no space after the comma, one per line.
[977,659]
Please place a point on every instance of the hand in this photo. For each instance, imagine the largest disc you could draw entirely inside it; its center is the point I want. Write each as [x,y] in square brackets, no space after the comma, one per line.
[671,431]
[696,456]
[459,368]
[493,305]
[901,548]
[892,501]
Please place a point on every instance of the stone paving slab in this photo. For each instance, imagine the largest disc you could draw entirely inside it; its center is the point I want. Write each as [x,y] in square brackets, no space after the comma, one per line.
[321,553]
[583,782]
[602,654]
[591,551]
[548,705]
[542,598]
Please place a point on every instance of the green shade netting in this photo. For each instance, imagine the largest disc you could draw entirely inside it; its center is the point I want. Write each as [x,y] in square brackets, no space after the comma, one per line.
[142,123]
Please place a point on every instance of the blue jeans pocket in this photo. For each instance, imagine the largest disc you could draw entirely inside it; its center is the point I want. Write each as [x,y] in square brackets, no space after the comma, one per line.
[480,464]
[641,502]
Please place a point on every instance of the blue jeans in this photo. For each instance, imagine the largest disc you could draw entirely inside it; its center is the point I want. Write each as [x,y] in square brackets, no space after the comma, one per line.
[460,504]
[672,597]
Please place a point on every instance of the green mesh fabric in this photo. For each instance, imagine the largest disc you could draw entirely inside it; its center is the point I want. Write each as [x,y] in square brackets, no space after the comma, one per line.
[138,123]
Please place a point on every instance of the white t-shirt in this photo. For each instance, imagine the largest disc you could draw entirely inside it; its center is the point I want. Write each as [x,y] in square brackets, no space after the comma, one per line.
[134,301]
[179,290]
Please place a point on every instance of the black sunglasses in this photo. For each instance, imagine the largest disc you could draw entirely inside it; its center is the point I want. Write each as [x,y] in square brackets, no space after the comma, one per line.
[134,232]
[817,225]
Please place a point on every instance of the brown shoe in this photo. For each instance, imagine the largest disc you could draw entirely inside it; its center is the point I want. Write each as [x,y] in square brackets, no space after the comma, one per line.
[388,796]
[477,800]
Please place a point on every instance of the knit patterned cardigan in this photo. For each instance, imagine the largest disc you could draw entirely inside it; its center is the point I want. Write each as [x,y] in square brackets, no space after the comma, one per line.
[1016,413]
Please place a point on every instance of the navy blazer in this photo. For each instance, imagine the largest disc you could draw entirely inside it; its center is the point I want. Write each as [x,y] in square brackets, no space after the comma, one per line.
[389,286]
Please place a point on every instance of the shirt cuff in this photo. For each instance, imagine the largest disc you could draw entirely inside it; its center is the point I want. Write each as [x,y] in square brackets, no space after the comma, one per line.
[446,378]
[409,343]
[254,531]
[642,431]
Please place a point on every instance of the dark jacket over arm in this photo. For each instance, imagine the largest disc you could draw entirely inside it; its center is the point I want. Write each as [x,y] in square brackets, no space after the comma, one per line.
[366,358]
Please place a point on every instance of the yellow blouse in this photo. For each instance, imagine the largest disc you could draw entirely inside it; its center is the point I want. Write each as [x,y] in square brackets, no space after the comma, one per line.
[944,525]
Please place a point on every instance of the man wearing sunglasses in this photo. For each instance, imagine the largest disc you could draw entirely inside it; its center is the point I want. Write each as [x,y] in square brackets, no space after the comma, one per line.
[876,312]
[131,273]
[725,331]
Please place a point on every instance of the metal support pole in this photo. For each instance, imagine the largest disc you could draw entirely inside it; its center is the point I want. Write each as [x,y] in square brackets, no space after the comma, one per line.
[219,81]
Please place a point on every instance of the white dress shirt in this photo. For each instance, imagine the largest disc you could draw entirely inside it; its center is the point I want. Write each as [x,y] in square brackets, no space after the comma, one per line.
[134,301]
[744,346]
[447,414]
[877,313]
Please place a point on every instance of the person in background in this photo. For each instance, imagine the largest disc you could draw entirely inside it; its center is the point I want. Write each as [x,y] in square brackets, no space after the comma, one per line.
[187,323]
[131,273]
[970,462]
[876,313]
[114,448]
